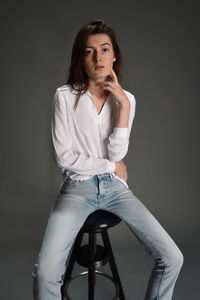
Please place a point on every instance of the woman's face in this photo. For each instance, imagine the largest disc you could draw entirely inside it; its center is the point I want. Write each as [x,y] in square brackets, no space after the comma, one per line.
[99,56]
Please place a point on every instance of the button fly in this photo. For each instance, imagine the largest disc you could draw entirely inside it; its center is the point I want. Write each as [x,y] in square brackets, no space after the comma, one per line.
[101,188]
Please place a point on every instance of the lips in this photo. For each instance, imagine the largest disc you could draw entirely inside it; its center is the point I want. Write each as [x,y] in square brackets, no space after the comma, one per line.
[99,67]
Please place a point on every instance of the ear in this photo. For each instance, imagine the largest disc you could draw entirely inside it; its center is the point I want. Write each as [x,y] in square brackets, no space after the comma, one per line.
[114,59]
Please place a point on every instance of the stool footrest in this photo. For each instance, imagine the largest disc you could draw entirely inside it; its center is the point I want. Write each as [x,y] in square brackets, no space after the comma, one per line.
[66,296]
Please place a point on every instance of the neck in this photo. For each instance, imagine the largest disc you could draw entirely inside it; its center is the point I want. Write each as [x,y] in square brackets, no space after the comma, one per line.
[95,89]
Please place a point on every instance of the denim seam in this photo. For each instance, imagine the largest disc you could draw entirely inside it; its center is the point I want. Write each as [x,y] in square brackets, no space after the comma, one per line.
[158,252]
[160,282]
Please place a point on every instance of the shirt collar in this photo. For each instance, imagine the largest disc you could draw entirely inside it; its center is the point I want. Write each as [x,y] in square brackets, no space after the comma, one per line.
[89,94]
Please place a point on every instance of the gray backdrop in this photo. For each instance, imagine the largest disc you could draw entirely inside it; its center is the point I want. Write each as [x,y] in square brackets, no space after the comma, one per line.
[160,46]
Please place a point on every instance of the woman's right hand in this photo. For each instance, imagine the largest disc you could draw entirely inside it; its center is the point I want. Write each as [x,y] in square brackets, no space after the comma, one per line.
[121,170]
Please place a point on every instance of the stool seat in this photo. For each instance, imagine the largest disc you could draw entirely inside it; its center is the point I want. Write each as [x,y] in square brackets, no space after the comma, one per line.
[100,220]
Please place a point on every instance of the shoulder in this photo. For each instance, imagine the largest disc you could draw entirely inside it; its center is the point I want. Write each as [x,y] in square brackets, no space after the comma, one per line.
[64,93]
[130,96]
[64,89]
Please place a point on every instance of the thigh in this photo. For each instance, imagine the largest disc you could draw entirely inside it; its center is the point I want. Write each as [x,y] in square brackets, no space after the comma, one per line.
[142,223]
[67,215]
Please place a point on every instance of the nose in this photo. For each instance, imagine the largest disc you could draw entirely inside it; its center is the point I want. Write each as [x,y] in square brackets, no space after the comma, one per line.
[97,56]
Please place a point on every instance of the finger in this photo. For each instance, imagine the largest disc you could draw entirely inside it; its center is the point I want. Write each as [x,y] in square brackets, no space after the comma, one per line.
[107,84]
[113,75]
[107,88]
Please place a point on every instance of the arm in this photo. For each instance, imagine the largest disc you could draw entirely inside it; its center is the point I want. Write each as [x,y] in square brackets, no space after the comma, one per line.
[62,144]
[119,139]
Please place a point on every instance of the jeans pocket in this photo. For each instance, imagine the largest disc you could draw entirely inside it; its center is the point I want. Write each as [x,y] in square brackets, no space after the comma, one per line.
[122,182]
[67,184]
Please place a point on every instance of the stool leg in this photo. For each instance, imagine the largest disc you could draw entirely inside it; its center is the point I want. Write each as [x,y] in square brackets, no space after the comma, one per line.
[91,267]
[71,263]
[112,263]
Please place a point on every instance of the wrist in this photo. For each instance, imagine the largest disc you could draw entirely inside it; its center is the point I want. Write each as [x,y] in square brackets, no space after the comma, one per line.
[125,104]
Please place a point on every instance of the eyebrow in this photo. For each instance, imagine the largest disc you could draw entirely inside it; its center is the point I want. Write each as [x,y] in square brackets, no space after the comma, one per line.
[100,45]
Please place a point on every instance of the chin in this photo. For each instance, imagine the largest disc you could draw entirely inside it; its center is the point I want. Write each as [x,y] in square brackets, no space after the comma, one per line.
[100,77]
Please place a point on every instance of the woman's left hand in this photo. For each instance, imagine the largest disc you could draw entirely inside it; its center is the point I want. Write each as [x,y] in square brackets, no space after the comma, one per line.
[115,88]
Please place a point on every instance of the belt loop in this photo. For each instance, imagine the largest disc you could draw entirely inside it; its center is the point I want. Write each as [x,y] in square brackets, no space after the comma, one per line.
[111,176]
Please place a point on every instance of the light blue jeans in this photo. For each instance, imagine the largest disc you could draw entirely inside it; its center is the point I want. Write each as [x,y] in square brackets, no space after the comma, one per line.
[77,199]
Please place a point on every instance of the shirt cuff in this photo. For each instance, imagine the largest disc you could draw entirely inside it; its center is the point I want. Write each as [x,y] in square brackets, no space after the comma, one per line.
[120,132]
[111,167]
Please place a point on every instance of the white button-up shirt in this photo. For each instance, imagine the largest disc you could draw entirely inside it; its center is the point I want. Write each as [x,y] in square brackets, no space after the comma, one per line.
[86,143]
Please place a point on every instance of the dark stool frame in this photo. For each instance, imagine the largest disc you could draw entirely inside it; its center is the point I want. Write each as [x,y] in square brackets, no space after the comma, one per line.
[93,256]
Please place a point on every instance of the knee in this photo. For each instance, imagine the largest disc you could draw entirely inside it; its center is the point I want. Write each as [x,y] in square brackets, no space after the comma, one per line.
[179,258]
[176,258]
[44,274]
[39,273]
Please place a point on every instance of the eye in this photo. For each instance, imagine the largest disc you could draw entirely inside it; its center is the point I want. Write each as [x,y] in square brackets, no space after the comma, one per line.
[88,52]
[106,49]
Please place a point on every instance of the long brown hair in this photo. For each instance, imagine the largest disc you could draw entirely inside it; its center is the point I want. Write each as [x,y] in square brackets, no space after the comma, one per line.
[76,76]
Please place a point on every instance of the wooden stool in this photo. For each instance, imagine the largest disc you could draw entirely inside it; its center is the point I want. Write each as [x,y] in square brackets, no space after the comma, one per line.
[92,255]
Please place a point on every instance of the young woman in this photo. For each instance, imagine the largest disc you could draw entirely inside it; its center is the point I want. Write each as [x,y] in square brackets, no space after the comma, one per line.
[91,123]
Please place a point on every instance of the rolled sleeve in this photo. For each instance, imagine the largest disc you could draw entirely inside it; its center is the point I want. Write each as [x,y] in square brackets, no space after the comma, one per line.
[119,132]
[118,141]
